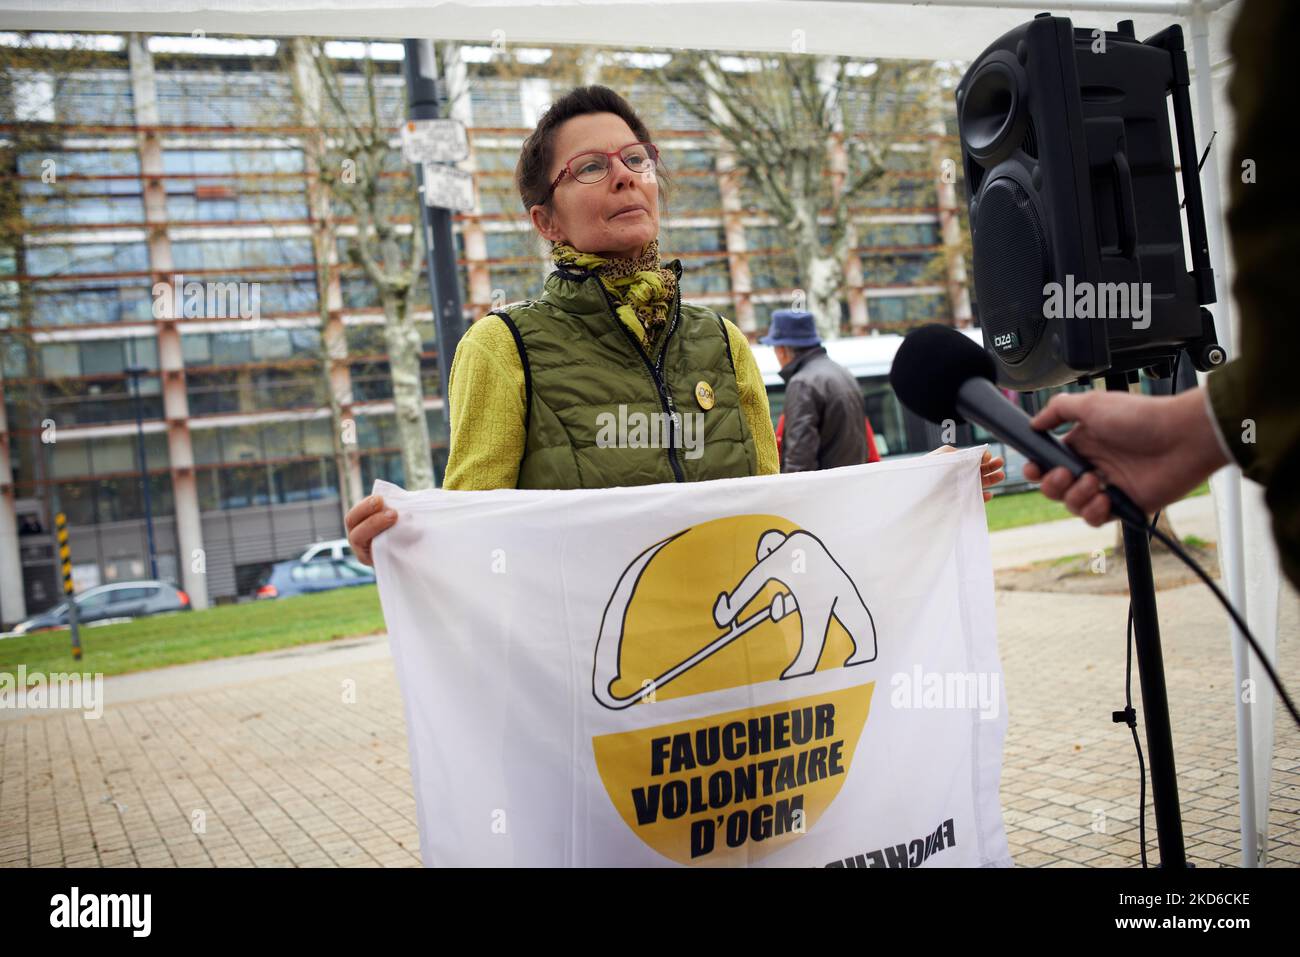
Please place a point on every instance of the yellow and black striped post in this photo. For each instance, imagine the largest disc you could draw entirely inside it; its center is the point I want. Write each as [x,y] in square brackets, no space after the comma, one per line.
[65,565]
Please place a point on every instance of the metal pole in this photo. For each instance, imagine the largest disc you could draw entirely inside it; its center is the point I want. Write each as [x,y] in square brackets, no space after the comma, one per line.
[440,246]
[135,372]
[1151,678]
[65,566]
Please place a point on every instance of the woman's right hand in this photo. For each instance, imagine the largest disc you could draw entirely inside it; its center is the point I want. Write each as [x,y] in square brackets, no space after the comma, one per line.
[364,521]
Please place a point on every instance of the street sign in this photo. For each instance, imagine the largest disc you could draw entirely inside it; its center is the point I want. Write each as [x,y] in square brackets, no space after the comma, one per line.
[448,187]
[434,141]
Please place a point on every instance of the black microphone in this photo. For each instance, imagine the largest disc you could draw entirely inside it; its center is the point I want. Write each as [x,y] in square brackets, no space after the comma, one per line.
[942,376]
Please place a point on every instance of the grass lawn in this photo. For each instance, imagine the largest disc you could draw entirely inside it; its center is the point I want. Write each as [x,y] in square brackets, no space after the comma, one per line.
[201,635]
[1030,508]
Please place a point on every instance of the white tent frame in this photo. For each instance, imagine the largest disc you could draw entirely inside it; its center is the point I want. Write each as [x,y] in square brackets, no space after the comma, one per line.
[546,22]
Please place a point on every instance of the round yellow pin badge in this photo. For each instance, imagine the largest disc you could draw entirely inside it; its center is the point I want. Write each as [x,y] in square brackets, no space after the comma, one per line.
[704,395]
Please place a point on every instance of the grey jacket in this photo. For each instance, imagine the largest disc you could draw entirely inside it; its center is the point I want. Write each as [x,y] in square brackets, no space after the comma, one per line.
[825,423]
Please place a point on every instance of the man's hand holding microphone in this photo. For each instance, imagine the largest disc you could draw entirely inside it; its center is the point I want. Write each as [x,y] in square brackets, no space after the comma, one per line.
[1154,448]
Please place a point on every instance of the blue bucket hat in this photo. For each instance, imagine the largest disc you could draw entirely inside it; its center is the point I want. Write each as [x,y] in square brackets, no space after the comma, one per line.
[792,328]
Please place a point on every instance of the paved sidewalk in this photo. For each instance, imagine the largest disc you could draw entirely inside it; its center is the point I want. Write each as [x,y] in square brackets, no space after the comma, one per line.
[256,770]
[1070,776]
[299,757]
[1027,544]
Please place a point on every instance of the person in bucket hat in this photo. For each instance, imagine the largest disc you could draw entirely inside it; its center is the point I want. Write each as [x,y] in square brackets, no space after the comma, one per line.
[823,419]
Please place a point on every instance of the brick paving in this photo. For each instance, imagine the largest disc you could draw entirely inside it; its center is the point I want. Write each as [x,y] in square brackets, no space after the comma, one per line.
[268,772]
[268,764]
[1070,776]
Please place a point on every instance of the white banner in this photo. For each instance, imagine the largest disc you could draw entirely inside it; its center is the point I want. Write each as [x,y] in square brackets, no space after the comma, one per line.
[786,670]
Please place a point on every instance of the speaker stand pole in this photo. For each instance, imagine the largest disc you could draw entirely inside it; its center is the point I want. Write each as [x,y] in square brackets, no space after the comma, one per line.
[1151,676]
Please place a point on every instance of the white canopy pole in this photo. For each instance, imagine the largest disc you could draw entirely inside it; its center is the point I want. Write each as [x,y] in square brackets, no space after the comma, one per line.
[1231,551]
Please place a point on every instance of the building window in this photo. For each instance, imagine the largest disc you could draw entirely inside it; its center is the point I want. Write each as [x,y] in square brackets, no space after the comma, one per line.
[119,499]
[243,486]
[87,258]
[303,481]
[77,501]
[73,402]
[382,465]
[706,277]
[90,302]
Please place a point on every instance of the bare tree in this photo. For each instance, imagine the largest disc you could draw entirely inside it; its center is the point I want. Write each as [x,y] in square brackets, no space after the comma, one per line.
[785,122]
[349,161]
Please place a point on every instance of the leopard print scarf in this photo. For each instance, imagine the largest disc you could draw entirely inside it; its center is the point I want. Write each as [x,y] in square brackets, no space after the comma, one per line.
[643,286]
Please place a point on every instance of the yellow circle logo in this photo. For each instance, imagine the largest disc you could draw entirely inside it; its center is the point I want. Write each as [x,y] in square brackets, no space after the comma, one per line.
[734,602]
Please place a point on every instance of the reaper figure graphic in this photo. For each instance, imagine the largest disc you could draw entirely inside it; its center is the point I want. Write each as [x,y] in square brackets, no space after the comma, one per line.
[819,589]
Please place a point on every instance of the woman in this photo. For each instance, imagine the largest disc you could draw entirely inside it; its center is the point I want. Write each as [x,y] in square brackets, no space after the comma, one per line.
[531,384]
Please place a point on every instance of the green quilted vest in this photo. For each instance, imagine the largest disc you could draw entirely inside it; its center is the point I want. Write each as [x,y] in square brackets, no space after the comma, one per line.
[603,411]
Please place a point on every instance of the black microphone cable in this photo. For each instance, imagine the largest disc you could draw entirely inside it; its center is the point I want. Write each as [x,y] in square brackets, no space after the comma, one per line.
[1129,717]
[1177,549]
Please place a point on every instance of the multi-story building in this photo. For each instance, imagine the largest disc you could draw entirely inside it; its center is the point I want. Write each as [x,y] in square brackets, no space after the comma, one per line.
[155,162]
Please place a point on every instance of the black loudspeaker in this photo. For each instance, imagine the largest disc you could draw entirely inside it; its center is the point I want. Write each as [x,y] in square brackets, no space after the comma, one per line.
[1078,256]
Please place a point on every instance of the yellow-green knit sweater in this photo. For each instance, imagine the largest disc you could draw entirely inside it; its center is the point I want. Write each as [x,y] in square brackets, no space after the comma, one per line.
[488,400]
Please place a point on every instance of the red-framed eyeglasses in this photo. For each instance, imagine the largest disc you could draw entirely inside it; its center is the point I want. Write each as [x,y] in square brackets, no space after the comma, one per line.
[592,166]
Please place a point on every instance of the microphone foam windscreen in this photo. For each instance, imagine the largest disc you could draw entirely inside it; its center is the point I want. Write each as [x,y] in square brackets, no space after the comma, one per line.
[931,365]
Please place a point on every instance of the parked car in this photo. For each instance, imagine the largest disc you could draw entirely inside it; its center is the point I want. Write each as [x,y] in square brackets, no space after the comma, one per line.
[120,600]
[324,551]
[297,577]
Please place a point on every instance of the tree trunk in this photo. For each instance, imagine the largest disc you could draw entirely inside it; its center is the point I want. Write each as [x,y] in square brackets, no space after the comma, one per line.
[825,274]
[348,495]
[403,340]
[330,353]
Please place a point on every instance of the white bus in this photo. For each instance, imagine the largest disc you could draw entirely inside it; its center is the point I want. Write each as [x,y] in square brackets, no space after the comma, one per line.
[898,431]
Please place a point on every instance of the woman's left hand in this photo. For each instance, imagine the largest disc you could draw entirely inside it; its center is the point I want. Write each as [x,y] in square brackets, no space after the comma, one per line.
[991,471]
